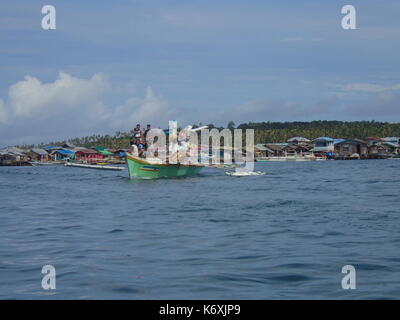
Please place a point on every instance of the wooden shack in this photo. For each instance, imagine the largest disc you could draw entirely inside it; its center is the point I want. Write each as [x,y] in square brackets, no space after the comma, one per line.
[351,149]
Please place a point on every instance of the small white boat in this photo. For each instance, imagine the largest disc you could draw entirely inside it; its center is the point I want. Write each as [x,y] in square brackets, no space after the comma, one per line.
[39,163]
[93,166]
[244,173]
[289,158]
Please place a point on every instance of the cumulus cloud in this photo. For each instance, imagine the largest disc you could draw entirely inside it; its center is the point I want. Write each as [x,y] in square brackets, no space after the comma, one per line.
[3,112]
[69,107]
[31,97]
[142,109]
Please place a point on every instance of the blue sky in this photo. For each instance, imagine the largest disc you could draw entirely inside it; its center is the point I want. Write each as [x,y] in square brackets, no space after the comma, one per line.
[110,64]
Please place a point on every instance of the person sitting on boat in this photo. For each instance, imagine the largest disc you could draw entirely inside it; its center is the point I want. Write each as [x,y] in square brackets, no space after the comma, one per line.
[140,146]
[134,150]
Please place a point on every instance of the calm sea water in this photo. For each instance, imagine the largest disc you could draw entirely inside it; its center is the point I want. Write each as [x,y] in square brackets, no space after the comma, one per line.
[284,235]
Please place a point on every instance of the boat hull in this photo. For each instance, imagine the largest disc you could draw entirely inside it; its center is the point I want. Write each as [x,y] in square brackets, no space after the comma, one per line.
[290,159]
[140,169]
[91,166]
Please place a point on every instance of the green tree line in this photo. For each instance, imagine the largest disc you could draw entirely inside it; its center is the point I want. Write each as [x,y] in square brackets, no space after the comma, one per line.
[282,131]
[264,132]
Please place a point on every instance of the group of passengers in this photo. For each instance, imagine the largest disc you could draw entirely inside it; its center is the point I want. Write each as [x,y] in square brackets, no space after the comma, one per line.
[139,139]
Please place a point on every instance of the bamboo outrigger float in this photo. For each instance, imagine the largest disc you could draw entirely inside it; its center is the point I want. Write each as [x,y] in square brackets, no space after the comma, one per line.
[141,168]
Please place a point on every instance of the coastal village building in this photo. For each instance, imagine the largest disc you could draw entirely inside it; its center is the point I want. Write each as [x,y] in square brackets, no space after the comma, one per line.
[38,154]
[12,156]
[261,150]
[324,145]
[373,141]
[62,154]
[351,148]
[106,153]
[394,140]
[276,149]
[370,148]
[10,160]
[88,155]
[298,145]
[382,147]
[302,148]
[391,148]
[392,144]
[50,149]
[377,151]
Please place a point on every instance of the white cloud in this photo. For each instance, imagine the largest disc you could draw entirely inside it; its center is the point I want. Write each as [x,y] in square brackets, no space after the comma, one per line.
[71,107]
[3,112]
[142,110]
[31,97]
[367,87]
[301,39]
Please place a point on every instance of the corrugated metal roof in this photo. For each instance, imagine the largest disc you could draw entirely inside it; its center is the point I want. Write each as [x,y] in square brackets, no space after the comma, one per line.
[336,141]
[324,139]
[350,141]
[394,145]
[69,145]
[105,152]
[64,152]
[12,150]
[299,139]
[51,148]
[87,151]
[391,138]
[261,147]
[276,146]
[41,152]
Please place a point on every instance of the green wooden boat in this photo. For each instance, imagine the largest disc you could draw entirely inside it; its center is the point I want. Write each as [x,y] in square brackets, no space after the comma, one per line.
[139,168]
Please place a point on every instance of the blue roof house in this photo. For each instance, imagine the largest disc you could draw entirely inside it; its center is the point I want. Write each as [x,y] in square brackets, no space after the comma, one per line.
[324,145]
[62,154]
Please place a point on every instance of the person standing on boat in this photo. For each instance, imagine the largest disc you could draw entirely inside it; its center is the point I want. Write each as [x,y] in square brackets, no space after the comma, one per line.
[137,132]
[145,136]
[137,135]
